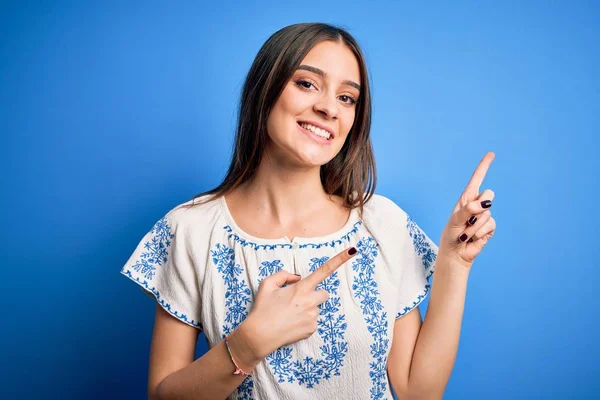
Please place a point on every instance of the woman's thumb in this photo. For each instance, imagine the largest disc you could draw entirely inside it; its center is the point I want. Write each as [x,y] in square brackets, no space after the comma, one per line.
[281,278]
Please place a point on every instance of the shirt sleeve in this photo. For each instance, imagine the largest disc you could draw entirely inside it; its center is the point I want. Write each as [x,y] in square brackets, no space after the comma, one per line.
[162,266]
[418,257]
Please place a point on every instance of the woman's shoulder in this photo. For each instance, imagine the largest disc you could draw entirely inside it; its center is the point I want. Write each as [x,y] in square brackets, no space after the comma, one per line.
[198,213]
[380,207]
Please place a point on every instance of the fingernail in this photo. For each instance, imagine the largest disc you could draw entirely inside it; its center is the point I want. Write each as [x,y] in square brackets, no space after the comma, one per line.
[472,220]
[297,274]
[471,240]
[486,203]
[463,237]
[352,251]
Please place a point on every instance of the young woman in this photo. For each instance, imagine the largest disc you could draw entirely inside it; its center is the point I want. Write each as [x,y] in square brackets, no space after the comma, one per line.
[306,283]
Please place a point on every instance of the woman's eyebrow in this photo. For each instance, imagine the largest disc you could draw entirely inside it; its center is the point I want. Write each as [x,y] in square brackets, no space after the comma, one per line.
[323,74]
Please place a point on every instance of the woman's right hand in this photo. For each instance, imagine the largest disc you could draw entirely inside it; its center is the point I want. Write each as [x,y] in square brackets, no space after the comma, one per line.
[285,309]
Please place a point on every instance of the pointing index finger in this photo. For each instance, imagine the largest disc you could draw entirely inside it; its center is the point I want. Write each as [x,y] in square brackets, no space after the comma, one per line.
[477,177]
[325,270]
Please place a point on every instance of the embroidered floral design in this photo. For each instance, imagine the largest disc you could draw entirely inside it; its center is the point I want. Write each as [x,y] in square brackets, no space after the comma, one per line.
[281,363]
[422,246]
[331,324]
[309,371]
[335,242]
[155,255]
[161,301]
[331,327]
[428,256]
[366,290]
[255,246]
[157,249]
[269,268]
[237,299]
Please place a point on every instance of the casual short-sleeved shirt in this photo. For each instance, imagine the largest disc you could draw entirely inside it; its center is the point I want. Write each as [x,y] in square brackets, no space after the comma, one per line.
[205,271]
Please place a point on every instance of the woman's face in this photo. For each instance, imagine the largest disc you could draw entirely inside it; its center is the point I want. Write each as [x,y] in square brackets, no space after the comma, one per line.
[311,119]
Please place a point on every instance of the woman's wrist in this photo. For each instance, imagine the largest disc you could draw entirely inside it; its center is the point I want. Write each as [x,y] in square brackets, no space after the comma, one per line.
[243,346]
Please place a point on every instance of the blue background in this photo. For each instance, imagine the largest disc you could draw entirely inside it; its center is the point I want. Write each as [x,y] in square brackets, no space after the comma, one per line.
[112,114]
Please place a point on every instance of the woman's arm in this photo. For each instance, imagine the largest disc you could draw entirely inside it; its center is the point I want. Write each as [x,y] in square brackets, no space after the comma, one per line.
[422,357]
[469,229]
[174,374]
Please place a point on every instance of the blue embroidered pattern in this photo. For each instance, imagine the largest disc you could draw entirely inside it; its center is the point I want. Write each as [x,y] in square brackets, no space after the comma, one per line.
[366,289]
[336,242]
[156,253]
[281,363]
[428,257]
[331,327]
[237,299]
[309,371]
[255,246]
[331,324]
[269,268]
[162,302]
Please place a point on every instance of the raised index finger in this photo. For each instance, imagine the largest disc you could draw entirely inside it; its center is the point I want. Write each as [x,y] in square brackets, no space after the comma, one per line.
[477,177]
[321,273]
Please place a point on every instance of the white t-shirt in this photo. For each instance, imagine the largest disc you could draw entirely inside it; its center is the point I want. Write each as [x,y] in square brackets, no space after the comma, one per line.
[205,271]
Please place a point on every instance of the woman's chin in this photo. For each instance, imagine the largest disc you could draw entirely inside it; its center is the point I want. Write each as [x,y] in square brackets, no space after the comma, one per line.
[308,157]
[313,156]
[313,160]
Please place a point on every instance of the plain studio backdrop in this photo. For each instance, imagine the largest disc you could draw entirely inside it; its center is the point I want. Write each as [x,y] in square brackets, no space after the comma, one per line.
[111,114]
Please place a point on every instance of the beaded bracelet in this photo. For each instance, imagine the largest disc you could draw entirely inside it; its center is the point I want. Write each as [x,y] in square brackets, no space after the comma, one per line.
[238,370]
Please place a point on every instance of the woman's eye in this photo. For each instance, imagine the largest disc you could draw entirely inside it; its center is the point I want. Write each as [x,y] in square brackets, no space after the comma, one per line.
[348,99]
[304,84]
[307,85]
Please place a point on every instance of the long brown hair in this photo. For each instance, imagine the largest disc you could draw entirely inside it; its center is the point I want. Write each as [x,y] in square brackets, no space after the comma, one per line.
[351,174]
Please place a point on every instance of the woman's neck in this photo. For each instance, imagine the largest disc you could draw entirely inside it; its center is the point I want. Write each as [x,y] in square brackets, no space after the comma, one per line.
[284,193]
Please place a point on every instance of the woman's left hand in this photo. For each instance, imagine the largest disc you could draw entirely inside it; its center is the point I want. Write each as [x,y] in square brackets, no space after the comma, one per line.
[471,225]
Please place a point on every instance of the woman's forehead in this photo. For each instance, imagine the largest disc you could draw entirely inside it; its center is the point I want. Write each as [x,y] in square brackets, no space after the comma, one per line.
[335,59]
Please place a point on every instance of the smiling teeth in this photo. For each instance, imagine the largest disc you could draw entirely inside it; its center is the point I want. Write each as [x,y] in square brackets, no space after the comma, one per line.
[317,131]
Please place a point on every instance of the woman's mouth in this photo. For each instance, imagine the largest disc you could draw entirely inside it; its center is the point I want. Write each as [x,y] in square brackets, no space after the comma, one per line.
[320,135]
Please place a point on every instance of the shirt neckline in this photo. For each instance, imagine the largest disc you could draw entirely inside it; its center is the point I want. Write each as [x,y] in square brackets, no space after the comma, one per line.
[348,226]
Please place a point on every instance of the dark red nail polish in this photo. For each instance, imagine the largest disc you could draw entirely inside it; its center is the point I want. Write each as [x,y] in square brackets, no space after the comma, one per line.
[352,251]
[472,220]
[297,274]
[471,240]
[463,237]
[486,203]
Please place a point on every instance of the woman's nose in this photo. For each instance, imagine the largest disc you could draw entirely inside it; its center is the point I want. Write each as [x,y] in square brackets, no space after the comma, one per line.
[327,106]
